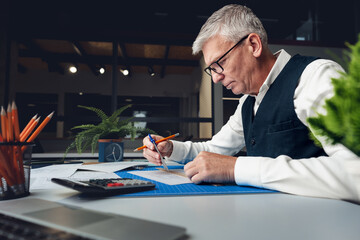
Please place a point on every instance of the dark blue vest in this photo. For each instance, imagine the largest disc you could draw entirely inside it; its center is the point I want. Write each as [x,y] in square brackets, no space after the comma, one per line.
[276,130]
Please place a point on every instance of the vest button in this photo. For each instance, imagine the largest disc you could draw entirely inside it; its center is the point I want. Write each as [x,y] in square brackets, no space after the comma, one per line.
[252,141]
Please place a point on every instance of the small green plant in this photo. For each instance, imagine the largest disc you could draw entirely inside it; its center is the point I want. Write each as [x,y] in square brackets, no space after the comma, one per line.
[341,124]
[110,127]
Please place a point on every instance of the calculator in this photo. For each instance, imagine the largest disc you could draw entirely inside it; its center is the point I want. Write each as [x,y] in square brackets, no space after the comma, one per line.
[101,187]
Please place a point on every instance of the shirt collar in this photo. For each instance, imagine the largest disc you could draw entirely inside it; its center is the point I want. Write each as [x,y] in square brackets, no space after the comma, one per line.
[282,58]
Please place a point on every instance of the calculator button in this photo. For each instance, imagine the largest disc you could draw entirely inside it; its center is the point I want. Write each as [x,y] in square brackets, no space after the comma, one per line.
[115,184]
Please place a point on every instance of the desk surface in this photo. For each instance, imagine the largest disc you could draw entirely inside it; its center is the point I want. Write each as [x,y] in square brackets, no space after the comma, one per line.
[245,216]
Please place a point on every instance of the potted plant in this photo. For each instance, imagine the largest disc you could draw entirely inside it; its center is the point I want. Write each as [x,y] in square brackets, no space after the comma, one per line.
[108,134]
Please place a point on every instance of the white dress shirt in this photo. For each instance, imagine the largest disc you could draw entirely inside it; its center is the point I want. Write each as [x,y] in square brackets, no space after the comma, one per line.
[318,176]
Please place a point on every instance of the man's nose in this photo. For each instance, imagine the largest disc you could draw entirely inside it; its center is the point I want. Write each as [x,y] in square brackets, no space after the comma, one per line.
[217,77]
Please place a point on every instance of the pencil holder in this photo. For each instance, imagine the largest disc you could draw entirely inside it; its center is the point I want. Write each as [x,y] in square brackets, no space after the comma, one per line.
[15,164]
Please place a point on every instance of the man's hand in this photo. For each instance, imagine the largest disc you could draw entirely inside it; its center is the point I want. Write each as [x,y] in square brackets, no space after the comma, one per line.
[151,154]
[211,167]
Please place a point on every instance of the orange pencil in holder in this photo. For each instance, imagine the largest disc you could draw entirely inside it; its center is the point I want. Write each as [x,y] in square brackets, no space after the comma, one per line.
[28,125]
[18,163]
[2,191]
[38,130]
[15,121]
[15,152]
[15,169]
[3,124]
[5,165]
[10,128]
[29,130]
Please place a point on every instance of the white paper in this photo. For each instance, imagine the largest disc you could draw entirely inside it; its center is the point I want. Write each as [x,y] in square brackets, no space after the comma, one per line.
[111,166]
[40,178]
[171,177]
[86,175]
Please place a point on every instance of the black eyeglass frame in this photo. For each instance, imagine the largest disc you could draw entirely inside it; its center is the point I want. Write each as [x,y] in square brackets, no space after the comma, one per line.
[209,68]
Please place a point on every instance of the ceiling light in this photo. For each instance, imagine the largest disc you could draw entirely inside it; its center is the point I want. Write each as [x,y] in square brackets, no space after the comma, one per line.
[125,72]
[151,71]
[72,69]
[99,69]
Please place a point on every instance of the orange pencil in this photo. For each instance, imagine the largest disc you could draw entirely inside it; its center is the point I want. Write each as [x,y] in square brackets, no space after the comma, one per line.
[15,121]
[10,133]
[3,123]
[158,141]
[1,184]
[19,158]
[39,129]
[29,130]
[5,169]
[14,153]
[28,125]
[11,151]
[17,149]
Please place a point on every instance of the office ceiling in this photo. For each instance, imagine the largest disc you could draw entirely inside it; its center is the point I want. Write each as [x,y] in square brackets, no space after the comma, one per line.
[53,34]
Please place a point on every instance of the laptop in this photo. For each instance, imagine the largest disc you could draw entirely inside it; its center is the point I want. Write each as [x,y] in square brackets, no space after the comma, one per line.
[86,223]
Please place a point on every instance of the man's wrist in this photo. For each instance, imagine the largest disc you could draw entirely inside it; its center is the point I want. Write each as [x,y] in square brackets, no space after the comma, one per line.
[169,152]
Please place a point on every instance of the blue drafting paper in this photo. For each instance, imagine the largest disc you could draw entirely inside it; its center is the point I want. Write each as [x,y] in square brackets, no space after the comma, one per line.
[162,189]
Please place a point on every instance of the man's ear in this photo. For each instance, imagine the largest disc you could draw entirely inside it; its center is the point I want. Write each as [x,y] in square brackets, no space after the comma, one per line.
[256,44]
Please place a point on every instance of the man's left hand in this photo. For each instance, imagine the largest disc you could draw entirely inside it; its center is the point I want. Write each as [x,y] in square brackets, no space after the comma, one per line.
[211,167]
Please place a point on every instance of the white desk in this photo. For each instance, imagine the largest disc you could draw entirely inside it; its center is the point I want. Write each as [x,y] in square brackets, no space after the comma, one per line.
[247,216]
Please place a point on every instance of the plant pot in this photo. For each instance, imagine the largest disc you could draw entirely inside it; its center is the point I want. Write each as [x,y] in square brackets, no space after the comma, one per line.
[111,150]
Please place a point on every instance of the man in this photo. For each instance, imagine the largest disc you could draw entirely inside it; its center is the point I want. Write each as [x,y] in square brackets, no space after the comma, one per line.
[280,93]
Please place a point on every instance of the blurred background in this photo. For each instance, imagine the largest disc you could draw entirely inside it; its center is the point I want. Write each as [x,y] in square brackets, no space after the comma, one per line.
[55,55]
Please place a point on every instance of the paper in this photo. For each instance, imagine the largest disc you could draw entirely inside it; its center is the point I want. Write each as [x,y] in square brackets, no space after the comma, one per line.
[172,177]
[86,175]
[40,178]
[111,166]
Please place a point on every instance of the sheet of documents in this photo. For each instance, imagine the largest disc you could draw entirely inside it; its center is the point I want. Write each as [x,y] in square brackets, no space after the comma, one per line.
[111,167]
[86,175]
[40,178]
[172,177]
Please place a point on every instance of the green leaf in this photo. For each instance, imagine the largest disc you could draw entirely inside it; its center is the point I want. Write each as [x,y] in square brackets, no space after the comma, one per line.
[118,112]
[98,111]
[85,126]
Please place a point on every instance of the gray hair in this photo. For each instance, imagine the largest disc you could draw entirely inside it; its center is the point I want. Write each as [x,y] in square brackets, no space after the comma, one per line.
[232,22]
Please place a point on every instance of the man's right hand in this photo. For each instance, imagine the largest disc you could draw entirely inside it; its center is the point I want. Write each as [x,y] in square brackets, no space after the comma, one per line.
[165,148]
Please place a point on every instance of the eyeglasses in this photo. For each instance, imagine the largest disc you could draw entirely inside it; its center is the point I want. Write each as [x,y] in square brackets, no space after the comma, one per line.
[215,66]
